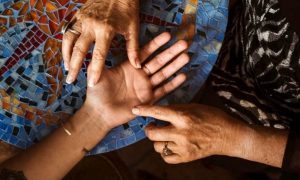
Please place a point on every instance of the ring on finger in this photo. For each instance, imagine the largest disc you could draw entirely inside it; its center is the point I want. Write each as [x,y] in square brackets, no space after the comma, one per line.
[68,26]
[166,151]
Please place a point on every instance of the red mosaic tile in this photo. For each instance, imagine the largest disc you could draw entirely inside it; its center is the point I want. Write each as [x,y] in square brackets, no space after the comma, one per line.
[28,45]
[34,29]
[39,33]
[61,14]
[53,27]
[23,55]
[22,47]
[29,34]
[44,37]
[14,56]
[18,51]
[58,36]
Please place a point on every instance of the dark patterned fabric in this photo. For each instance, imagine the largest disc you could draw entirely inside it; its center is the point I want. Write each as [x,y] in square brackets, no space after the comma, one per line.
[257,74]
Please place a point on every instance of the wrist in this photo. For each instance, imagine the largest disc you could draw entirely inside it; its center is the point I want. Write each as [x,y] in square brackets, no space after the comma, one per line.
[260,144]
[89,126]
[97,115]
[244,142]
[237,139]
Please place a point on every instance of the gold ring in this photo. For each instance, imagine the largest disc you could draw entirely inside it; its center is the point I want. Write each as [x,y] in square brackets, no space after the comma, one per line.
[68,27]
[166,151]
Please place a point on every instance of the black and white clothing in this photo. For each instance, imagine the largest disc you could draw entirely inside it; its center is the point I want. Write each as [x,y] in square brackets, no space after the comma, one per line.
[257,75]
[258,71]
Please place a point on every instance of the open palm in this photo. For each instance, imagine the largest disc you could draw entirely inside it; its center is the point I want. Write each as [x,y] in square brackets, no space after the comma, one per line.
[123,87]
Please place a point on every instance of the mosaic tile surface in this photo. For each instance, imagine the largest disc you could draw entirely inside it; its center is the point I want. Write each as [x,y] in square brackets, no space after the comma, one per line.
[32,91]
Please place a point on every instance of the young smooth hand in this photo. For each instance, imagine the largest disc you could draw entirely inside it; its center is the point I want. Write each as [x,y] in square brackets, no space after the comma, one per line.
[123,87]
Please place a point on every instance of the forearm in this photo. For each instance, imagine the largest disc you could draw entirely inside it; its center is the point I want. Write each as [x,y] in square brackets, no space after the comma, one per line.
[261,144]
[59,152]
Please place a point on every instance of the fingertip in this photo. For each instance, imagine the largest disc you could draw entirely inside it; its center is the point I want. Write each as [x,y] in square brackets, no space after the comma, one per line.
[182,77]
[66,65]
[183,44]
[166,35]
[135,110]
[69,79]
[93,79]
[137,63]
[163,38]
[91,84]
[134,58]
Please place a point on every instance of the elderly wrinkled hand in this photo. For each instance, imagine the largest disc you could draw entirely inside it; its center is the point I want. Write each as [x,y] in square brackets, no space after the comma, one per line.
[99,21]
[194,131]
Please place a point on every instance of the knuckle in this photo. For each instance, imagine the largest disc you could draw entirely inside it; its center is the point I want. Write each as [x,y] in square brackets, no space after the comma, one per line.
[155,43]
[94,71]
[164,90]
[184,115]
[147,50]
[73,68]
[185,140]
[159,60]
[66,37]
[156,112]
[192,151]
[77,50]
[162,74]
[98,54]
[156,147]
[172,85]
[172,53]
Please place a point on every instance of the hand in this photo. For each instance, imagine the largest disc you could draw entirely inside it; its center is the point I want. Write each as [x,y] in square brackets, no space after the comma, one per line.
[98,21]
[123,87]
[195,131]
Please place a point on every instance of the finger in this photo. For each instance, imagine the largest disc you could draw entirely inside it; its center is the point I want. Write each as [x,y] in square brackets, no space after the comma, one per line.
[159,146]
[169,87]
[161,133]
[68,42]
[163,113]
[172,159]
[171,69]
[132,44]
[103,41]
[163,58]
[80,49]
[153,45]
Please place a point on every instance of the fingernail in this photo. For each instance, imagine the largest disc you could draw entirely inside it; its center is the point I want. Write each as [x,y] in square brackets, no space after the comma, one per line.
[135,111]
[66,67]
[69,80]
[91,82]
[138,64]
